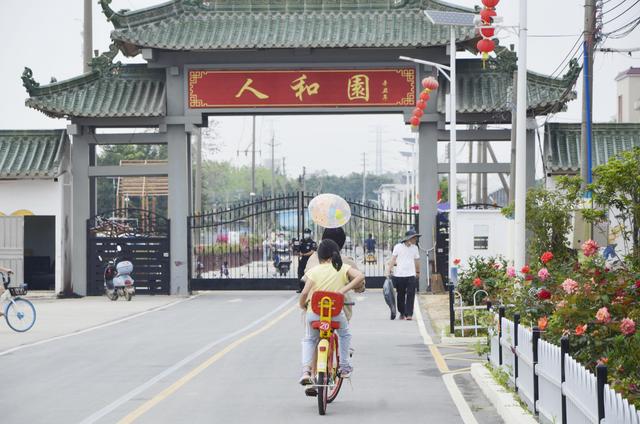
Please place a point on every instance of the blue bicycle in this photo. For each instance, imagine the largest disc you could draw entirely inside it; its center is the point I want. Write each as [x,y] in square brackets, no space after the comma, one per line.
[19,313]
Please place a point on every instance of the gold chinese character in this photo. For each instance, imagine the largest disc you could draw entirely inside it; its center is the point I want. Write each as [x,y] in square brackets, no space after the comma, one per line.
[385,97]
[358,87]
[300,86]
[385,83]
[385,90]
[247,87]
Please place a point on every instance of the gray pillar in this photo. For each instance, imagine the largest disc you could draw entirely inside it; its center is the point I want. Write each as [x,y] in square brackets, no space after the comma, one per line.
[428,174]
[178,205]
[531,158]
[80,211]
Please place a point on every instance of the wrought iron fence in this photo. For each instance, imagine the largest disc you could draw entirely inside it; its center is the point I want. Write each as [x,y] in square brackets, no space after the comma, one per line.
[241,245]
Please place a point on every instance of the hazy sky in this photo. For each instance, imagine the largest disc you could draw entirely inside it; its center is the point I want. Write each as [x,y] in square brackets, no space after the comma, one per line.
[46,36]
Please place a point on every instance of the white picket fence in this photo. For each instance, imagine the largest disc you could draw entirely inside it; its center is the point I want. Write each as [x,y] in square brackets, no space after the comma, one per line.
[549,372]
[578,391]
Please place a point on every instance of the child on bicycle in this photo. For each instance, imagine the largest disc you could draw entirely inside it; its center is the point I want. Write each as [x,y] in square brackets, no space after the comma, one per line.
[330,275]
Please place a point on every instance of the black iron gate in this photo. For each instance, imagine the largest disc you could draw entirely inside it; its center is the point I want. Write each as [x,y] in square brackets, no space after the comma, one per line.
[233,247]
[143,238]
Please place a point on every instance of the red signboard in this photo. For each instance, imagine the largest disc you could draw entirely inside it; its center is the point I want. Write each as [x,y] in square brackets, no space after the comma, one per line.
[302,88]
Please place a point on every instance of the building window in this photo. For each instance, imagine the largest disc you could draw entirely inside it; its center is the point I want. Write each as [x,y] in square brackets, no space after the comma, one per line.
[480,237]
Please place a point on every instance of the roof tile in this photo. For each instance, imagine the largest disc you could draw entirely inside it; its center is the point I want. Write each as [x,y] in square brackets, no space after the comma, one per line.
[562,144]
[32,154]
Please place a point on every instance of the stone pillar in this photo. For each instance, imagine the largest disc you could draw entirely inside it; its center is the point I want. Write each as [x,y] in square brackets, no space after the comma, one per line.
[80,211]
[179,196]
[428,174]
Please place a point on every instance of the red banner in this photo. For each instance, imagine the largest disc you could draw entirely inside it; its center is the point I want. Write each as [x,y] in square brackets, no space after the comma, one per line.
[302,88]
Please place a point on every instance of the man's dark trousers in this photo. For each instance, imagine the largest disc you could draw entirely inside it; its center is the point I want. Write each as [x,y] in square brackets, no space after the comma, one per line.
[406,288]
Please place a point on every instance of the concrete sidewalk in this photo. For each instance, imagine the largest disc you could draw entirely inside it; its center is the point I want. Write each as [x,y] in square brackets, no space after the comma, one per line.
[58,317]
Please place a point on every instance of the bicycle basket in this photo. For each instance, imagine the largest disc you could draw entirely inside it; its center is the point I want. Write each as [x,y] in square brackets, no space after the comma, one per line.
[18,291]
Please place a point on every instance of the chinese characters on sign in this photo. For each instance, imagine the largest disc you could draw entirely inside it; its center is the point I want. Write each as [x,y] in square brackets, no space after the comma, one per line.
[302,88]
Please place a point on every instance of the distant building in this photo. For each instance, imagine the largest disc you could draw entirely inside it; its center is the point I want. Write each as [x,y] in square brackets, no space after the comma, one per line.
[628,96]
[392,196]
[35,187]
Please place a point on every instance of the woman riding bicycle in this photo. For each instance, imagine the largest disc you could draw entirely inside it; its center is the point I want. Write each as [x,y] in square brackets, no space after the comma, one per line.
[330,275]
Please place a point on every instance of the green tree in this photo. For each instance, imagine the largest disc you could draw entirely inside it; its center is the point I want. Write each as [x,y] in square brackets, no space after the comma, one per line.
[616,188]
[549,216]
[443,186]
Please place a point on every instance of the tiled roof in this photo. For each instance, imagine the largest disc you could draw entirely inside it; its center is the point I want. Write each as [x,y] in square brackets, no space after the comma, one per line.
[135,90]
[32,153]
[237,24]
[127,90]
[490,90]
[562,144]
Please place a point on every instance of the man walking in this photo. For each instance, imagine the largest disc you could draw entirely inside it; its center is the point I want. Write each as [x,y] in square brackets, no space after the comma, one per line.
[307,247]
[406,259]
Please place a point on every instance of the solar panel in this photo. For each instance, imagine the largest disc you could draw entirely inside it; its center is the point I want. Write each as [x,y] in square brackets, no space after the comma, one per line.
[438,17]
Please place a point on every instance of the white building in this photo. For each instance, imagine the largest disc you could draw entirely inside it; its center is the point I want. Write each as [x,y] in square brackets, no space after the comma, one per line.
[34,189]
[393,196]
[628,83]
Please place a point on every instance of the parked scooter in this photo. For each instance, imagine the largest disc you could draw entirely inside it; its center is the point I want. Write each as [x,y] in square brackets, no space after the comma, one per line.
[282,257]
[117,279]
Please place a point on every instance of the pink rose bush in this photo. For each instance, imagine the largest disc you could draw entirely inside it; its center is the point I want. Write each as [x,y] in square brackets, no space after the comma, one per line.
[596,307]
[589,247]
[570,286]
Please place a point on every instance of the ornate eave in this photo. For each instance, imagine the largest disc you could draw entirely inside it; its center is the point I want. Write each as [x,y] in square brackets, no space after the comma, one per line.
[193,25]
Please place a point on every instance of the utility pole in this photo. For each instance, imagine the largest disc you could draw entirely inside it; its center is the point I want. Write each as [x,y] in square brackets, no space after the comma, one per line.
[364,177]
[304,179]
[520,234]
[87,36]
[514,129]
[588,46]
[253,158]
[273,164]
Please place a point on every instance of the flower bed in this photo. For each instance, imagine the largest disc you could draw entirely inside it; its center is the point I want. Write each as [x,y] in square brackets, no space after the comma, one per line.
[598,307]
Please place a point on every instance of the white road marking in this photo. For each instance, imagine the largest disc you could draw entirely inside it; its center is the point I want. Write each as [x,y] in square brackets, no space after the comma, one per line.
[234,300]
[449,382]
[144,386]
[421,328]
[96,327]
[458,400]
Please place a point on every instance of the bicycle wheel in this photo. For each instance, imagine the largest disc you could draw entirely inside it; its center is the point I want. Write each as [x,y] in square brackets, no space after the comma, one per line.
[333,367]
[20,314]
[322,381]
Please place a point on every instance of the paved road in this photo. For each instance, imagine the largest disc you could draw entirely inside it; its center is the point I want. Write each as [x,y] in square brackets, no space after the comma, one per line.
[219,358]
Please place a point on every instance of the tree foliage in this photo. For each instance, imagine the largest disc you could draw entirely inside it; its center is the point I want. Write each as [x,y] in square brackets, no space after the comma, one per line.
[549,216]
[616,189]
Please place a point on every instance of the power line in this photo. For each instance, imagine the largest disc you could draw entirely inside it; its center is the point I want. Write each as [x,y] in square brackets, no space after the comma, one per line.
[616,34]
[625,11]
[614,7]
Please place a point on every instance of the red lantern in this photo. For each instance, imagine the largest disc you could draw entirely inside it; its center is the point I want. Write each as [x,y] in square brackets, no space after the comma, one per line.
[486,46]
[418,112]
[415,121]
[425,96]
[487,32]
[430,83]
[487,15]
[490,3]
[421,104]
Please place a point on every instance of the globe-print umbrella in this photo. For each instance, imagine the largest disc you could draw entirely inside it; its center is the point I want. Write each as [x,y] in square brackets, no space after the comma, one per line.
[329,210]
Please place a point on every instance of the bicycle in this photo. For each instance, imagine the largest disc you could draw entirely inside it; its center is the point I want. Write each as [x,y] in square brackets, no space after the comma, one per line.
[328,380]
[19,313]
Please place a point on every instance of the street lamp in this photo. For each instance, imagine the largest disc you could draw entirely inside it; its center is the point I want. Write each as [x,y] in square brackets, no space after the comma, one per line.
[452,19]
